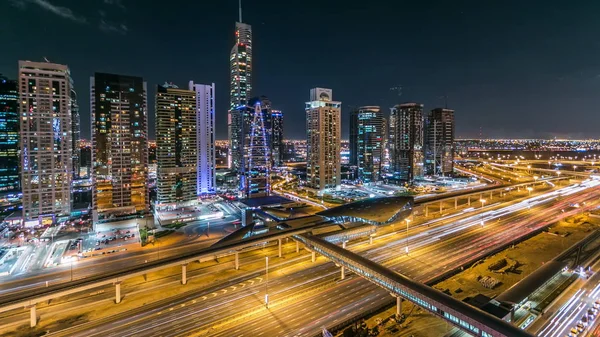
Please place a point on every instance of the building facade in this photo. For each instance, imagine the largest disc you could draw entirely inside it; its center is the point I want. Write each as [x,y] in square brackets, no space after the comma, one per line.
[277,149]
[119,145]
[406,142]
[205,126]
[369,135]
[353,141]
[439,142]
[240,65]
[176,147]
[46,141]
[76,132]
[323,136]
[10,182]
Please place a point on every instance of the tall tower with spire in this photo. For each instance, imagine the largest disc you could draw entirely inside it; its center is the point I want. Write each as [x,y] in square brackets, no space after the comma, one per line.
[240,62]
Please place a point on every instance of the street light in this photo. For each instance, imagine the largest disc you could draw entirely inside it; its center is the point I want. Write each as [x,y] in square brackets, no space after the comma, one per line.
[574,167]
[529,189]
[267,284]
[407,221]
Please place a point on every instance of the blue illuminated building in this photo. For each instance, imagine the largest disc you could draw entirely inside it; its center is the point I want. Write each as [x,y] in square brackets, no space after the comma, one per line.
[9,137]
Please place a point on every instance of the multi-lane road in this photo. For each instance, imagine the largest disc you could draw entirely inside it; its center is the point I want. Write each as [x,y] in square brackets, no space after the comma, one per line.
[305,297]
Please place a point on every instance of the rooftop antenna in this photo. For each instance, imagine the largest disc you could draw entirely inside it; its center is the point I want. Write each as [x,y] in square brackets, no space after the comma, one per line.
[240,9]
[45,59]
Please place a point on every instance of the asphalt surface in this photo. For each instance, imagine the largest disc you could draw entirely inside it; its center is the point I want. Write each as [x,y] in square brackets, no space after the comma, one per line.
[305,300]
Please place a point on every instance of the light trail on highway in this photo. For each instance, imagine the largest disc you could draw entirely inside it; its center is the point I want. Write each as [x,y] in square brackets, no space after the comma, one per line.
[339,300]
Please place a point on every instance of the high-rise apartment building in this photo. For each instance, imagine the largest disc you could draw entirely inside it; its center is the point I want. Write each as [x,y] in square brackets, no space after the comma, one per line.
[240,65]
[205,126]
[406,142]
[353,141]
[119,145]
[46,141]
[76,132]
[176,147]
[367,137]
[10,181]
[439,142]
[323,134]
[277,137]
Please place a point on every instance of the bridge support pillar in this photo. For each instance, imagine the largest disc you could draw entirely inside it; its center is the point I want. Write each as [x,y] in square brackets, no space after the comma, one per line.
[314,256]
[441,206]
[32,316]
[344,244]
[118,292]
[370,240]
[297,247]
[490,195]
[184,274]
[237,260]
[343,273]
[426,210]
[480,196]
[469,201]
[398,306]
[456,203]
[279,246]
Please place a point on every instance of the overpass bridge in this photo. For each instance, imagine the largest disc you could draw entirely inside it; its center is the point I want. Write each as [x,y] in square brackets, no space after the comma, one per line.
[467,318]
[371,211]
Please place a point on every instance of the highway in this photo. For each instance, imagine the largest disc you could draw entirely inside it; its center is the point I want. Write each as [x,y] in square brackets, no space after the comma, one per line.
[304,299]
[135,255]
[576,303]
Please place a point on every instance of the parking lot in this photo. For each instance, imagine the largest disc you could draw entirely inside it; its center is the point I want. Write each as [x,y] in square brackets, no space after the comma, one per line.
[110,237]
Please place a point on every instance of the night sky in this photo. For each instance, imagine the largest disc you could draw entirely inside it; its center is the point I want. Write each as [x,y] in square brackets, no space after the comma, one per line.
[513,68]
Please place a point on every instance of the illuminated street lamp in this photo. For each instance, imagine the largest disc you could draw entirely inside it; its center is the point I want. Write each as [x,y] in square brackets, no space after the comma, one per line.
[267,284]
[574,167]
[407,221]
[529,189]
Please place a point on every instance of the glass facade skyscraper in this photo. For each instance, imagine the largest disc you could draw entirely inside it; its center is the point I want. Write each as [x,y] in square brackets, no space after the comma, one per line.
[119,145]
[368,140]
[406,142]
[240,63]
[9,137]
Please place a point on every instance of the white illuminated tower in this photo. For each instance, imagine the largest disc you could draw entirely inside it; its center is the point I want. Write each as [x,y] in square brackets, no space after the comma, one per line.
[240,82]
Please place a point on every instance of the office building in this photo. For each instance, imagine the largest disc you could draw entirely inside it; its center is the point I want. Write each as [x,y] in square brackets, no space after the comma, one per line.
[120,145]
[277,137]
[254,149]
[367,138]
[10,182]
[46,141]
[240,65]
[205,127]
[406,142]
[439,142]
[176,147]
[323,136]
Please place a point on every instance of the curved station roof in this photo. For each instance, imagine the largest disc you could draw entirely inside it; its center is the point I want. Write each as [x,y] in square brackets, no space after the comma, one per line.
[375,211]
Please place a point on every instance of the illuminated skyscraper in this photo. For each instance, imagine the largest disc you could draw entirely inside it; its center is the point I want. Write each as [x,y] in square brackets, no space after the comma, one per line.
[240,63]
[406,142]
[439,141]
[119,145]
[277,137]
[9,137]
[323,125]
[205,126]
[369,135]
[176,147]
[76,132]
[46,141]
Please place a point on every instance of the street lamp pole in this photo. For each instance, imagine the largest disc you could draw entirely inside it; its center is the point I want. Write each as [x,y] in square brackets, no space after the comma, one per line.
[407,221]
[267,284]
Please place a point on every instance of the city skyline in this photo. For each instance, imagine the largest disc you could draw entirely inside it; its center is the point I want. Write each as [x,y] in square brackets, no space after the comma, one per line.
[482,83]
